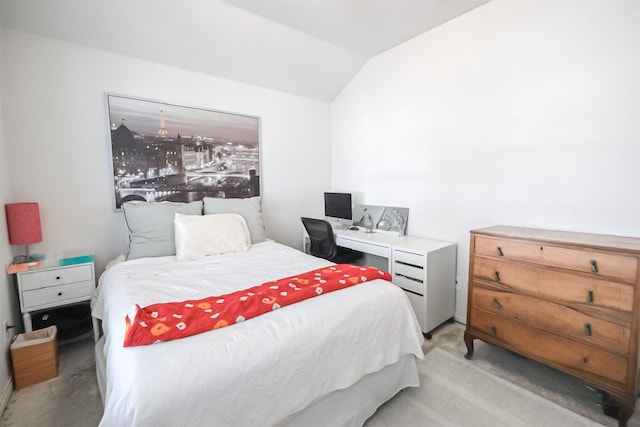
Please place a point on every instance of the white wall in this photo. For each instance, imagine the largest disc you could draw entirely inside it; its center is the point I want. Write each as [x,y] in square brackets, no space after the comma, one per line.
[57,139]
[9,310]
[520,113]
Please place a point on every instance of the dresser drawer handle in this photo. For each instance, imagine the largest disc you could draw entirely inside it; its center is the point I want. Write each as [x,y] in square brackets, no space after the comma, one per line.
[57,277]
[590,296]
[59,294]
[587,329]
[500,253]
[496,276]
[494,331]
[594,266]
[497,303]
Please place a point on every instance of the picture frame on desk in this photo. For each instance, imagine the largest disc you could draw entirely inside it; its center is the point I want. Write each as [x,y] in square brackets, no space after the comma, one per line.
[385,218]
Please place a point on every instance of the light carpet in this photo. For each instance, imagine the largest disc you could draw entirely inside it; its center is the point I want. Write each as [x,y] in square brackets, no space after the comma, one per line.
[457,392]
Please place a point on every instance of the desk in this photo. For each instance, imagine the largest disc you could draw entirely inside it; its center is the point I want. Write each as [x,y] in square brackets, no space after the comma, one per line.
[424,268]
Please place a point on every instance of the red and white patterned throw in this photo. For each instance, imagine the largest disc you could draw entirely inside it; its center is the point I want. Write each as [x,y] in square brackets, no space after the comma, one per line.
[169,321]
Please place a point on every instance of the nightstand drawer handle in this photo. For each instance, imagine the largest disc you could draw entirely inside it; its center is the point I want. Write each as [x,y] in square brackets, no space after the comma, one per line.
[497,303]
[587,329]
[500,251]
[496,276]
[594,266]
[59,294]
[57,277]
[494,331]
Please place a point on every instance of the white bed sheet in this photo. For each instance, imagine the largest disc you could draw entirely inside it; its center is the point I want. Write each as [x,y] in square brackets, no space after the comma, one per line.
[256,373]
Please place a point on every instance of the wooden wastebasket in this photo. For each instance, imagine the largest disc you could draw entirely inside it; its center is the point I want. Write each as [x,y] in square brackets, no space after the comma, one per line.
[35,357]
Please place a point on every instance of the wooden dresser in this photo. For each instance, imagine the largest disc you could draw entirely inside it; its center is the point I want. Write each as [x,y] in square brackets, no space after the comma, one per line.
[565,299]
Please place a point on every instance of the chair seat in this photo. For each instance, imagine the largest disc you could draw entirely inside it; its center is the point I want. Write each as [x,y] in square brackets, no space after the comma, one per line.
[346,256]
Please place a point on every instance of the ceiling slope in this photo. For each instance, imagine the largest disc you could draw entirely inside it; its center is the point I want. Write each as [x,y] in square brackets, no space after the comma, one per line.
[303,47]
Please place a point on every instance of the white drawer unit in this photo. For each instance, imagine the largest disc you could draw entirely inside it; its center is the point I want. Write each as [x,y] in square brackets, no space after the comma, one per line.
[428,278]
[424,268]
[49,287]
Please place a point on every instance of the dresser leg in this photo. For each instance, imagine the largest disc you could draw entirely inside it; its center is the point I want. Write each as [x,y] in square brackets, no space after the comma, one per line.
[468,341]
[626,410]
[617,407]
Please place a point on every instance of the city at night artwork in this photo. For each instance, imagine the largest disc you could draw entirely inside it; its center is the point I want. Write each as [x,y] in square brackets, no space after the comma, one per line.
[168,152]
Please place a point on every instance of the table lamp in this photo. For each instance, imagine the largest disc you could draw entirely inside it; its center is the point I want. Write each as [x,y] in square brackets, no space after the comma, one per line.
[23,224]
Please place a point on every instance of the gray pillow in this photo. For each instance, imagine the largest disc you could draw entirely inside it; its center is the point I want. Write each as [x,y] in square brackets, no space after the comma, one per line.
[151,226]
[250,209]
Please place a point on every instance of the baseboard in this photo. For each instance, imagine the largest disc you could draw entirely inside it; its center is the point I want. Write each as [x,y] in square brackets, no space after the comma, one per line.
[460,318]
[6,395]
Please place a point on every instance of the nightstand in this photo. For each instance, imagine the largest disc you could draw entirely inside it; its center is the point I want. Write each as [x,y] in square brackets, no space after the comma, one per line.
[53,286]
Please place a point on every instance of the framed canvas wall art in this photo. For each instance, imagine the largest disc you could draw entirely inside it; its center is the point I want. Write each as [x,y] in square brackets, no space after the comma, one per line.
[162,151]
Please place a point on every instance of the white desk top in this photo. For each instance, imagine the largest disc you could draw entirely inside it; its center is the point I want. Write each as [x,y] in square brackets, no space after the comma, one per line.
[385,238]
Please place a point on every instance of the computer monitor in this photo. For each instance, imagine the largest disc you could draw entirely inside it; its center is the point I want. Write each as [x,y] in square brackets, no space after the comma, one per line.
[338,206]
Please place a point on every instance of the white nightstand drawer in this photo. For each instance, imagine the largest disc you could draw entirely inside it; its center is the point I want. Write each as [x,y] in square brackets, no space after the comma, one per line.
[57,295]
[55,277]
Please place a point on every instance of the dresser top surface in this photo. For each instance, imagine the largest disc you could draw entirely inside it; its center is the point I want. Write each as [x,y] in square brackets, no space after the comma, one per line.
[603,241]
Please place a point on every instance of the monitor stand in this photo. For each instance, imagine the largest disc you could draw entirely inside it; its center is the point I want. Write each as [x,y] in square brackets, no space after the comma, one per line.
[339,224]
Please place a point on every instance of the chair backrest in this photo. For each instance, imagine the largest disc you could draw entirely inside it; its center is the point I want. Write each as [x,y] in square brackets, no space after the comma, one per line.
[323,242]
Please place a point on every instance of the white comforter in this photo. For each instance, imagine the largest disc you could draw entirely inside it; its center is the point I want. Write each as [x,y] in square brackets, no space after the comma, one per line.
[254,373]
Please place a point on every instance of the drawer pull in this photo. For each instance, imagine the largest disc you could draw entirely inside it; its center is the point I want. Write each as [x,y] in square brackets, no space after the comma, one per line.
[494,331]
[57,277]
[590,296]
[594,266]
[497,303]
[496,276]
[59,294]
[587,329]
[500,253]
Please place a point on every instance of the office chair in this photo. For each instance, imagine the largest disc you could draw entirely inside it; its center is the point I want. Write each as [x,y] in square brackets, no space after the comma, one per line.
[323,242]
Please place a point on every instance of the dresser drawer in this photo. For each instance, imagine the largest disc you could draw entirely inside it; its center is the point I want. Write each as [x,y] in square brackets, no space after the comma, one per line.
[556,318]
[57,295]
[586,261]
[556,284]
[610,265]
[509,249]
[552,349]
[57,276]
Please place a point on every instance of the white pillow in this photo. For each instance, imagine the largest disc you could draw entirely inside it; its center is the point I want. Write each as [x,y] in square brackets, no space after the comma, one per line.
[197,236]
[250,209]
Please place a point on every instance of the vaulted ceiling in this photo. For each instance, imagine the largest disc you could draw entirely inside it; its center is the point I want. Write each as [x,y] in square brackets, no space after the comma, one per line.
[311,48]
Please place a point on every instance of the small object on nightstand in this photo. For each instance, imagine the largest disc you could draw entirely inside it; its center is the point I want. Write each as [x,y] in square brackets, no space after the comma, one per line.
[71,258]
[14,268]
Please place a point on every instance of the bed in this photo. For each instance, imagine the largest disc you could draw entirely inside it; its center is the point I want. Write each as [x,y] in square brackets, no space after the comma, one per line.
[329,360]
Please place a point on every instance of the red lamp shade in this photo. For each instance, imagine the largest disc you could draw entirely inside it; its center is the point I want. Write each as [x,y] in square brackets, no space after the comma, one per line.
[23,223]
